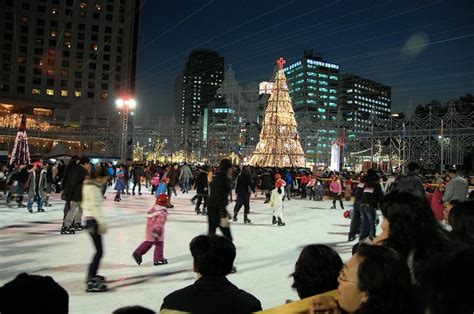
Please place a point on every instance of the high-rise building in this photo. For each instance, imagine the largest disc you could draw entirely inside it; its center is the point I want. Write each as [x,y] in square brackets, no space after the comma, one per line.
[364,102]
[202,76]
[313,85]
[67,55]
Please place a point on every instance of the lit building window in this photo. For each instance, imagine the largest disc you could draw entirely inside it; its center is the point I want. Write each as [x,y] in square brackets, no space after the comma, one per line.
[67,44]
[104,95]
[54,10]
[50,72]
[97,6]
[53,33]
[94,47]
[35,91]
[64,93]
[77,93]
[42,112]
[83,5]
[50,92]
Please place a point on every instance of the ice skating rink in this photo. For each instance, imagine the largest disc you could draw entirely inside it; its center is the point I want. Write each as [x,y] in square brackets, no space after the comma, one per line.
[266,254]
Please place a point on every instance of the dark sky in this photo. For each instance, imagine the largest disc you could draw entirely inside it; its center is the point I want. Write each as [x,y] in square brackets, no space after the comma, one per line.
[424,49]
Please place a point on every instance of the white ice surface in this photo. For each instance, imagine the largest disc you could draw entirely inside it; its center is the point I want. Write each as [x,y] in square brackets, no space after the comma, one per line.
[266,254]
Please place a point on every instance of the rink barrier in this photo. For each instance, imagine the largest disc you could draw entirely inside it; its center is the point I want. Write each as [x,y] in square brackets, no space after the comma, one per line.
[303,306]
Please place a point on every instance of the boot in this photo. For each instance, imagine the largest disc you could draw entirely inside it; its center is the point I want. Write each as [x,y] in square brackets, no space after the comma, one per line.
[40,210]
[67,230]
[274,220]
[246,220]
[137,258]
[164,261]
[96,285]
[204,212]
[235,217]
[198,211]
[78,227]
[280,223]
[29,210]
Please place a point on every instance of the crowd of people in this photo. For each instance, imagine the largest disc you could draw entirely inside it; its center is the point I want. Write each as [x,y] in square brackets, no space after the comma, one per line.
[415,265]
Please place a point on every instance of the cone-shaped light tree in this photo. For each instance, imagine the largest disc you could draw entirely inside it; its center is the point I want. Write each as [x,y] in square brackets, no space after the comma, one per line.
[21,151]
[279,145]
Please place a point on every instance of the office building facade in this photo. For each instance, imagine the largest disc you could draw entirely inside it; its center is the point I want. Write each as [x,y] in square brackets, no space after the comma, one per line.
[313,85]
[202,76]
[364,102]
[70,55]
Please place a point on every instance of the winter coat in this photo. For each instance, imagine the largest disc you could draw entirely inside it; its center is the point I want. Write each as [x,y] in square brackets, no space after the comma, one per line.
[276,199]
[32,184]
[162,189]
[202,186]
[244,184]
[266,179]
[372,194]
[73,189]
[288,178]
[185,172]
[456,189]
[173,174]
[155,225]
[137,172]
[211,295]
[220,190]
[335,186]
[120,184]
[92,200]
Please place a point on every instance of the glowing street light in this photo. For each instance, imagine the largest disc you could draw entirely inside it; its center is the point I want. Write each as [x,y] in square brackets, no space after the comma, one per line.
[126,106]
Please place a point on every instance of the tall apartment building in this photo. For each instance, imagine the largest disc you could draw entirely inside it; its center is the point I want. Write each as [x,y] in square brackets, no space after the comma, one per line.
[364,102]
[313,85]
[67,55]
[202,76]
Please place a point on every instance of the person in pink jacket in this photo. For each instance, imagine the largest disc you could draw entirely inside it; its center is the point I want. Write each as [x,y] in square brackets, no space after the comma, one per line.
[336,190]
[155,232]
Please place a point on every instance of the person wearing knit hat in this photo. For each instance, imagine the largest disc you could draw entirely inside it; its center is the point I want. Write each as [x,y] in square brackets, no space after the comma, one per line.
[276,202]
[155,232]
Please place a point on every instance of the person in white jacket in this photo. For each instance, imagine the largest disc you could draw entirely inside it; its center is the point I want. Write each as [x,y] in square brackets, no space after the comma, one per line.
[92,200]
[276,202]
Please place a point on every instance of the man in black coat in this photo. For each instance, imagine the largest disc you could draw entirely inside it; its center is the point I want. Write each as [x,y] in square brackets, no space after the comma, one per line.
[213,258]
[73,195]
[267,185]
[217,214]
[243,188]
[137,173]
[411,182]
[202,190]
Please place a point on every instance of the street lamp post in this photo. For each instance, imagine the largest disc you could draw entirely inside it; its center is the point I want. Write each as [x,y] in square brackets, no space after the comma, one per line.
[126,106]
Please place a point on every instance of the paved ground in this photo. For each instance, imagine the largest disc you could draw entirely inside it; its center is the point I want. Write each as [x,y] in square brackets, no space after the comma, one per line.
[265,254]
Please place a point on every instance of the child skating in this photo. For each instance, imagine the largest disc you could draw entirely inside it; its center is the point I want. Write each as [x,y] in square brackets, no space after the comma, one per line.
[155,232]
[276,202]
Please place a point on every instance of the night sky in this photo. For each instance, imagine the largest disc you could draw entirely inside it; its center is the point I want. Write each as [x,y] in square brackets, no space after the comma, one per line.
[423,49]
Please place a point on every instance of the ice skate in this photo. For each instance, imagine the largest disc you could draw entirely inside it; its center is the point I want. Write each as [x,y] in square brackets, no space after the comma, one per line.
[30,210]
[274,220]
[67,230]
[161,262]
[234,219]
[280,223]
[96,285]
[40,210]
[246,220]
[78,227]
[137,258]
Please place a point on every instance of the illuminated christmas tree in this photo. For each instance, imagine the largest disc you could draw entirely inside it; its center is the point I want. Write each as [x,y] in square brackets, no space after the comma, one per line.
[279,145]
[21,152]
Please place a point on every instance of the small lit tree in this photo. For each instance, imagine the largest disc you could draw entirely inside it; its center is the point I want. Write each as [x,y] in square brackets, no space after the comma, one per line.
[155,153]
[138,153]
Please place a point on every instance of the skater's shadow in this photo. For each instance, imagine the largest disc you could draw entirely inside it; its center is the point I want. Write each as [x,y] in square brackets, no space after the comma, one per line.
[129,281]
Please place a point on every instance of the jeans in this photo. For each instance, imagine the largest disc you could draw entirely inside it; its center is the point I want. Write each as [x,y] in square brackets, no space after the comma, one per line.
[186,186]
[367,227]
[242,199]
[355,220]
[31,200]
[73,214]
[336,197]
[93,229]
[288,190]
[135,183]
[214,216]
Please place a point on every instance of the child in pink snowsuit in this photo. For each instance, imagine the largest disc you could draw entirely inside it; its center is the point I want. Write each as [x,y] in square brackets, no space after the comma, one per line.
[155,232]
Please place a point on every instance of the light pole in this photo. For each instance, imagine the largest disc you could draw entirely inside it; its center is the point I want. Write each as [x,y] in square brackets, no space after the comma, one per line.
[126,106]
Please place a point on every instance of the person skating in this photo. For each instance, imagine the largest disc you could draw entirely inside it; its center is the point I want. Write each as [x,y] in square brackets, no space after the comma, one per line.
[217,214]
[266,185]
[119,186]
[155,232]
[92,201]
[202,191]
[243,188]
[36,186]
[137,174]
[276,202]
[336,190]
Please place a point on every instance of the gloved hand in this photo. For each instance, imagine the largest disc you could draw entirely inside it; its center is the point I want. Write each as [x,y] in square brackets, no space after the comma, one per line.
[102,228]
[156,233]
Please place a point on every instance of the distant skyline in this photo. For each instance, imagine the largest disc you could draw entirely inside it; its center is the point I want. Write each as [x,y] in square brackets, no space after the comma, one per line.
[423,49]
